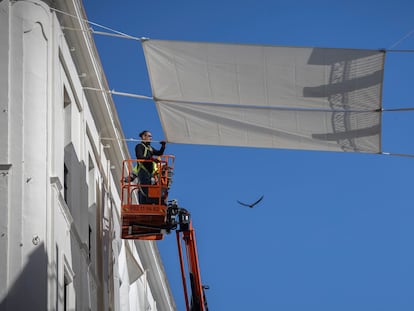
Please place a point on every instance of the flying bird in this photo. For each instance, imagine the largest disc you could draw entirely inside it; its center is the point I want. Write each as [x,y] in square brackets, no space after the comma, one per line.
[250,205]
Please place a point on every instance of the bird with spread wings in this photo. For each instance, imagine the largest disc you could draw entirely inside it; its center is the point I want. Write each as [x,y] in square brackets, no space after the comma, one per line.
[252,204]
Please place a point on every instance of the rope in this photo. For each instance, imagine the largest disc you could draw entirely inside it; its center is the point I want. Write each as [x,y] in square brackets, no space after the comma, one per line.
[401,51]
[406,155]
[401,40]
[113,92]
[118,33]
[133,140]
[398,109]
[105,33]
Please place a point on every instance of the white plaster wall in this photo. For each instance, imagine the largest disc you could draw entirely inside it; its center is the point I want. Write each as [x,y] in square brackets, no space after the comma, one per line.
[29,29]
[47,239]
[4,82]
[4,133]
[34,143]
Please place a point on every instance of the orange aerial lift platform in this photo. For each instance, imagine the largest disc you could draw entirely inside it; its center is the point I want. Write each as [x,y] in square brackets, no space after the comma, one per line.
[158,216]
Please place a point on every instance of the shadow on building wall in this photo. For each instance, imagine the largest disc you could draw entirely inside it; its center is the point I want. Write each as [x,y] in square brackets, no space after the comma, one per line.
[29,290]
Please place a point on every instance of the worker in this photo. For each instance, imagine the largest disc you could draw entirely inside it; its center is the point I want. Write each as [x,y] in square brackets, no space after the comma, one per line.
[145,170]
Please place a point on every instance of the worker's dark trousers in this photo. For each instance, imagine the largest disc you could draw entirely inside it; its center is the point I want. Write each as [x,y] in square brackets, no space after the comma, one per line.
[144,181]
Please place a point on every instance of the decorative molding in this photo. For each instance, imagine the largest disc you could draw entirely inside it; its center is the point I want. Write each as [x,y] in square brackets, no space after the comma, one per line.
[5,167]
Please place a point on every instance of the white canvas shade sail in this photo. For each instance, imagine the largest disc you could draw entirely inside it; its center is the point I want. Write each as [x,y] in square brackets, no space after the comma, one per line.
[267,96]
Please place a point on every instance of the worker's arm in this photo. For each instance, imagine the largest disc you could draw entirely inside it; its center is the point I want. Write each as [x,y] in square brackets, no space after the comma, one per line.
[159,152]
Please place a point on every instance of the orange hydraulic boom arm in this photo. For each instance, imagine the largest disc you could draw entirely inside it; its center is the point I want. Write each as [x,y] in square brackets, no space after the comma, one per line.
[155,217]
[198,300]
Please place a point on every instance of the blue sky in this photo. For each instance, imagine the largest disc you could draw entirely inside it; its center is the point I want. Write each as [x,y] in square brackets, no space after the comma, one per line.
[335,231]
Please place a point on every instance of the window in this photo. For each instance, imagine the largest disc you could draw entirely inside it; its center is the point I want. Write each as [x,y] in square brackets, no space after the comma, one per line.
[66,98]
[90,243]
[91,182]
[65,183]
[66,294]
[67,108]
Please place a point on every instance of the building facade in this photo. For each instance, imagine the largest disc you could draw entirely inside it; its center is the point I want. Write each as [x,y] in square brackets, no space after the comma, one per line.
[59,182]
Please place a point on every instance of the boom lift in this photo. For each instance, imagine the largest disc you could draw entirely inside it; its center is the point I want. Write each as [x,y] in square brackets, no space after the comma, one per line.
[158,216]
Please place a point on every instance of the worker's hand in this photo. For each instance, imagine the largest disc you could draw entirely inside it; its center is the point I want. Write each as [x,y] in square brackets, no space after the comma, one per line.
[163,142]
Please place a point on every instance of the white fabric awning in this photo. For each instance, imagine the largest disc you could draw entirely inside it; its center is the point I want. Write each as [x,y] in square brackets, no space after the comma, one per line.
[267,96]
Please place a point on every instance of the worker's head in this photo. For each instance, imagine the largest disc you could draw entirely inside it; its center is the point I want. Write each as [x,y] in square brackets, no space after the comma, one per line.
[145,135]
